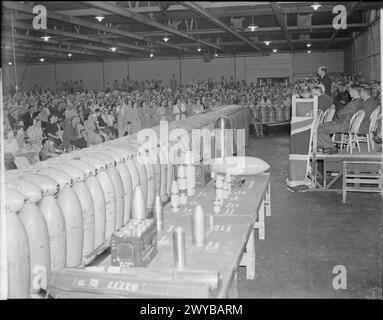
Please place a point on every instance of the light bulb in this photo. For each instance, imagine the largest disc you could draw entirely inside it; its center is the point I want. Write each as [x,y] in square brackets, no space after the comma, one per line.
[199,49]
[316,6]
[308,45]
[46,38]
[99,18]
[69,55]
[275,50]
[10,63]
[267,42]
[42,59]
[151,55]
[113,49]
[308,51]
[252,27]
[166,39]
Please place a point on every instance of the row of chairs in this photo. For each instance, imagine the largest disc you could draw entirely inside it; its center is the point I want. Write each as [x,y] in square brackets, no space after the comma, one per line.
[354,137]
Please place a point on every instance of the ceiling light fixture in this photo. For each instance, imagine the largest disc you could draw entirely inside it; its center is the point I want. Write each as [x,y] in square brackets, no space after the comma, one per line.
[308,45]
[315,6]
[99,17]
[46,38]
[42,59]
[252,27]
[113,49]
[267,42]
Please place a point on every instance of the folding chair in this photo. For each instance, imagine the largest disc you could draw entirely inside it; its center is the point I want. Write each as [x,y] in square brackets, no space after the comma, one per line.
[348,138]
[368,138]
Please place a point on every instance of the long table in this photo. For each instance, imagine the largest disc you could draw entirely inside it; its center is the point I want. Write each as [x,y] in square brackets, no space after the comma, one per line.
[231,233]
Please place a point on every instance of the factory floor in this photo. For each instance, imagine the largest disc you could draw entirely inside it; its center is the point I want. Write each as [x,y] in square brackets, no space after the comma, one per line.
[309,233]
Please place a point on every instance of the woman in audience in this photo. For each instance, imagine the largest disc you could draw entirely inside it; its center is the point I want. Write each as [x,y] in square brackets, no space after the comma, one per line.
[94,136]
[35,134]
[53,130]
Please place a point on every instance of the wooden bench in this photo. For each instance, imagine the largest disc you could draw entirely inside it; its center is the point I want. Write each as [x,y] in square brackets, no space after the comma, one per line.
[363,176]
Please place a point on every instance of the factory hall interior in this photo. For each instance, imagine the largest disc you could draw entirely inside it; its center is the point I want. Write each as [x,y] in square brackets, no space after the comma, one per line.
[181,150]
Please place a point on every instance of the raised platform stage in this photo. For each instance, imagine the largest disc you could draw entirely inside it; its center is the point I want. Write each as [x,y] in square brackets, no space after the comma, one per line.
[329,168]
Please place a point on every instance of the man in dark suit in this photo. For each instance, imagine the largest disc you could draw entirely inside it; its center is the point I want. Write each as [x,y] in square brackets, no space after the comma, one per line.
[342,97]
[325,80]
[28,117]
[324,101]
[341,124]
[368,105]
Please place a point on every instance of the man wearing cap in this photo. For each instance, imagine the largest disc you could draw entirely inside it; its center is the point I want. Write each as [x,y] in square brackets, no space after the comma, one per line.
[325,80]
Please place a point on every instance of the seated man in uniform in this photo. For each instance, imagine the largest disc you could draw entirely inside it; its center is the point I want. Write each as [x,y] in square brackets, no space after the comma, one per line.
[324,101]
[368,105]
[341,124]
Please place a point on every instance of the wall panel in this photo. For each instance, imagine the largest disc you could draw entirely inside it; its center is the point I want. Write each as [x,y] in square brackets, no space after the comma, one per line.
[142,70]
[116,70]
[89,73]
[278,65]
[305,64]
[196,69]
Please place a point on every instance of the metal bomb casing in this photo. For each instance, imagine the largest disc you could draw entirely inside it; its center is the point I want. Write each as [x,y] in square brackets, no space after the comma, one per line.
[37,231]
[53,215]
[71,208]
[179,248]
[158,213]
[138,204]
[198,227]
[18,256]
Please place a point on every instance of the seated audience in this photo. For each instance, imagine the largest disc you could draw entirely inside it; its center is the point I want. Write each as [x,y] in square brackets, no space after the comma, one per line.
[341,124]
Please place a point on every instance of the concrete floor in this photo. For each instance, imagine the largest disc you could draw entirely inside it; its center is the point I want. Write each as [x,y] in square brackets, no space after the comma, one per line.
[310,233]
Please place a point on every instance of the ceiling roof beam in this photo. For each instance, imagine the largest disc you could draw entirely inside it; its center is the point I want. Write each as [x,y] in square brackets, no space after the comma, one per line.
[52,15]
[80,22]
[281,21]
[70,48]
[127,13]
[27,26]
[203,13]
[291,29]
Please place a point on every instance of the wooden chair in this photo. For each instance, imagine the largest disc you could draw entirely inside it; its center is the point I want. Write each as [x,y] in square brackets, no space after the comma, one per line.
[349,137]
[327,115]
[359,173]
[368,138]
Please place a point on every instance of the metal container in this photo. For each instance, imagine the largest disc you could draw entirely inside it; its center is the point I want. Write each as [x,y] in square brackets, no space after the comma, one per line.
[179,248]
[198,227]
[158,213]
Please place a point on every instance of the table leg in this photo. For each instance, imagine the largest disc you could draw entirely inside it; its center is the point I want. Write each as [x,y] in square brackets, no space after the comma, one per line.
[250,256]
[268,202]
[233,292]
[260,224]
